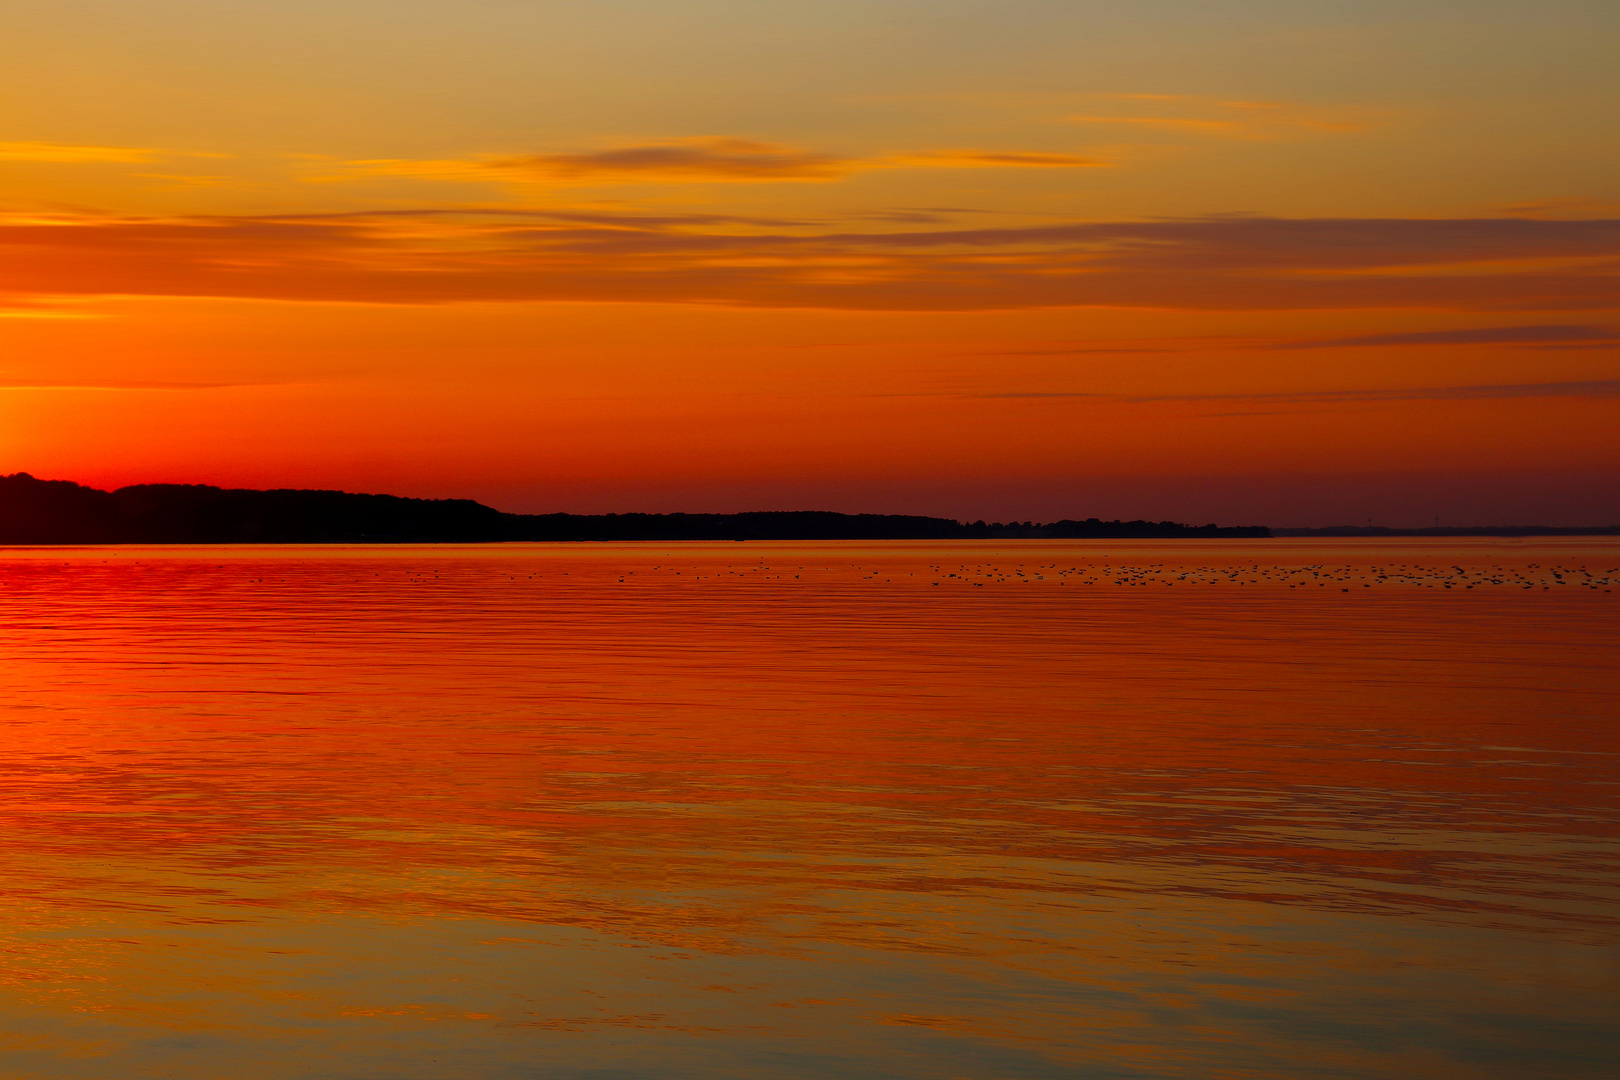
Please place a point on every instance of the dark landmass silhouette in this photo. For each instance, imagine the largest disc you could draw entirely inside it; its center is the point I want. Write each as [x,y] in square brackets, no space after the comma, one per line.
[1456,530]
[61,512]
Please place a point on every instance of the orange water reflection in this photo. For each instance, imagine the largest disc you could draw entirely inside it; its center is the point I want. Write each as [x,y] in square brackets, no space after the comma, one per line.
[1044,809]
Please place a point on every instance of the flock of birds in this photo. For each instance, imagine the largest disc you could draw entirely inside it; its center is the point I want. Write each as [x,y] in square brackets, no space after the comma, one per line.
[1345,578]
[1104,572]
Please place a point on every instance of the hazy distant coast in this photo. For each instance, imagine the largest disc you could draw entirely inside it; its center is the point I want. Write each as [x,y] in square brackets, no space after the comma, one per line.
[1456,530]
[61,512]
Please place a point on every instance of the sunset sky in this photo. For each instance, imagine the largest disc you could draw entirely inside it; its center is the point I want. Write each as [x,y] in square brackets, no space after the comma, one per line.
[1294,262]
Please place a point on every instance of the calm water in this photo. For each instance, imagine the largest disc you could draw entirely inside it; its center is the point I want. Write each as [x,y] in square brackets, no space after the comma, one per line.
[1257,809]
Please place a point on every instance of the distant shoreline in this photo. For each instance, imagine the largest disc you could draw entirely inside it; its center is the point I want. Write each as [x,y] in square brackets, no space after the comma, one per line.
[1457,531]
[34,511]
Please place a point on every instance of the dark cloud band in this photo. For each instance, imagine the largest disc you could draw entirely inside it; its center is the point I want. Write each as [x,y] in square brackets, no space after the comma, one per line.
[1232,263]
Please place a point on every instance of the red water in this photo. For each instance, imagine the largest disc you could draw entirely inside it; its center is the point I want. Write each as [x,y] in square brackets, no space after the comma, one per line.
[1287,809]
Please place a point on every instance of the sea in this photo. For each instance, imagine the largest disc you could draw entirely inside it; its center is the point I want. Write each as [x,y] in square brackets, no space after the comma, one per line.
[1277,809]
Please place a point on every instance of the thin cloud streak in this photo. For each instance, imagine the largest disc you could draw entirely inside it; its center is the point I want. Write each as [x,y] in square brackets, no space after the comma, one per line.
[1183,122]
[988,159]
[684,159]
[126,384]
[1227,263]
[1230,119]
[1542,337]
[1602,388]
[1564,335]
[53,153]
[704,160]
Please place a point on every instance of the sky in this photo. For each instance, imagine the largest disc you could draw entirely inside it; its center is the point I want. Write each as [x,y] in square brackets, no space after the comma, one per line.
[1291,262]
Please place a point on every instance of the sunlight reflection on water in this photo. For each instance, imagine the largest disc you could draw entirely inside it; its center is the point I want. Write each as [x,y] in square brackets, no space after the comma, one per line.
[1028,809]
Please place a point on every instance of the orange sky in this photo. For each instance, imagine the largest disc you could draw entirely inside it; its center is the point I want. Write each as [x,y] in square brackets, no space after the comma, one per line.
[1240,260]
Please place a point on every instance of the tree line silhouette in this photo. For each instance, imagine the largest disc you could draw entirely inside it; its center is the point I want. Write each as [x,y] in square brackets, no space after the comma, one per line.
[36,511]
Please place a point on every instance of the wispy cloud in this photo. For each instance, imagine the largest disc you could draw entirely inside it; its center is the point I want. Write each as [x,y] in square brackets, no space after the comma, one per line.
[1602,388]
[1570,207]
[1219,127]
[987,159]
[1563,336]
[683,159]
[442,256]
[118,384]
[10,311]
[1219,117]
[33,307]
[187,181]
[702,160]
[1554,336]
[72,155]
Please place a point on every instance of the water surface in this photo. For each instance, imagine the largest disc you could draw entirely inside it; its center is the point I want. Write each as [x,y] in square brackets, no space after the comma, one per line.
[1046,809]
